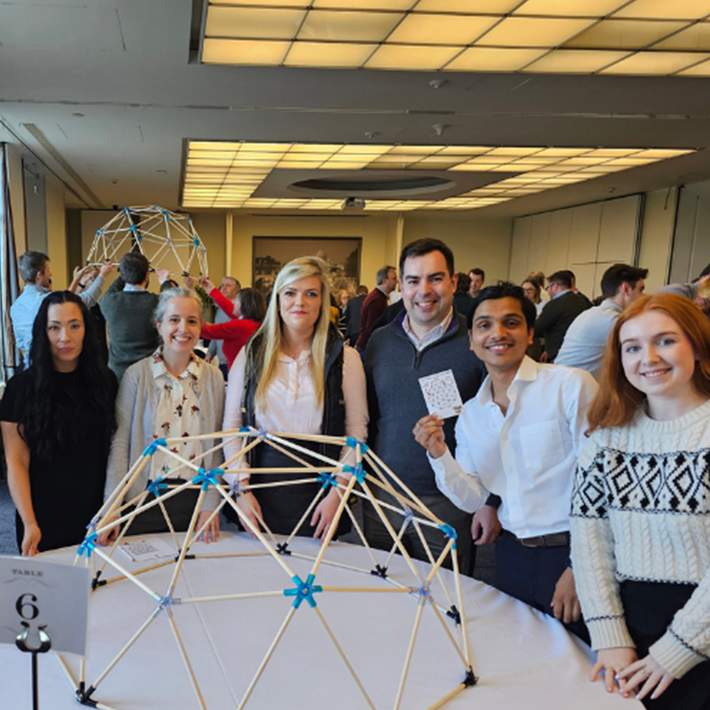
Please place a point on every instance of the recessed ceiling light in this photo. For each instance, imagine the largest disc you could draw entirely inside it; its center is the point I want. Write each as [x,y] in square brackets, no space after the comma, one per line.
[568,36]
[231,179]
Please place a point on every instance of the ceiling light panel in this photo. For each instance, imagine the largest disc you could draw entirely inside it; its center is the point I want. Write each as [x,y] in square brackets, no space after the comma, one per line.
[569,8]
[665,9]
[348,26]
[441,29]
[624,34]
[655,63]
[537,36]
[533,31]
[248,22]
[226,174]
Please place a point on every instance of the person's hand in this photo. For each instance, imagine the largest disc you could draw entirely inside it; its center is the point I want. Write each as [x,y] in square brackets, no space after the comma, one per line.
[324,513]
[30,540]
[107,537]
[485,526]
[610,661]
[249,505]
[188,281]
[163,275]
[429,433]
[106,268]
[206,283]
[211,532]
[647,674]
[565,604]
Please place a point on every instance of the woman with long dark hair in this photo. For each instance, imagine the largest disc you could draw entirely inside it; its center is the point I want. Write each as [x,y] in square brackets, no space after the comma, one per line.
[641,507]
[57,421]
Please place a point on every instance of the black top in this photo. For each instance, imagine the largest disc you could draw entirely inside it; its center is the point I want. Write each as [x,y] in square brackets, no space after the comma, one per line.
[556,317]
[67,489]
[465,305]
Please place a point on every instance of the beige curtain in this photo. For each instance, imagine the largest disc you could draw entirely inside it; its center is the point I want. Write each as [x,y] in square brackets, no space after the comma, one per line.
[9,286]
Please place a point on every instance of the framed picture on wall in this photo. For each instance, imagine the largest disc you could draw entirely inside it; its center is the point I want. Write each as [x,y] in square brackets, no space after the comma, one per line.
[342,254]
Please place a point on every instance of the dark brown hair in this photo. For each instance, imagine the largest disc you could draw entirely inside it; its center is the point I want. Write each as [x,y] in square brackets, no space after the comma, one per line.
[617,399]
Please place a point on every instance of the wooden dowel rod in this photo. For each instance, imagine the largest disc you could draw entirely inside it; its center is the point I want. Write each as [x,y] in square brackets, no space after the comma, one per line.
[343,655]
[265,660]
[441,702]
[447,630]
[246,521]
[377,590]
[462,611]
[228,597]
[127,574]
[390,530]
[186,660]
[410,651]
[126,646]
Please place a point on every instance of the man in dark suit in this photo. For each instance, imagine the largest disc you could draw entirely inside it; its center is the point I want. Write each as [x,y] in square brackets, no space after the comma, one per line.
[559,312]
[352,315]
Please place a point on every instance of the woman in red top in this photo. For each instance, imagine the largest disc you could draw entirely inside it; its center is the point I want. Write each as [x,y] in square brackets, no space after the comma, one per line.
[247,314]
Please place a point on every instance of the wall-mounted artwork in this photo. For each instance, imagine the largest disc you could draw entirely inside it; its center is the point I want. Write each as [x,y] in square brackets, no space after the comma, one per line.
[342,254]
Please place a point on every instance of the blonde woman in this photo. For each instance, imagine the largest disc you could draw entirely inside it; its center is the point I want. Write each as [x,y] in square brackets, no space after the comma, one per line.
[170,393]
[296,375]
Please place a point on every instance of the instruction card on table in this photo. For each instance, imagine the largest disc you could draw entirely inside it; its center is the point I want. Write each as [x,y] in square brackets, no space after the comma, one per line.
[36,594]
[441,394]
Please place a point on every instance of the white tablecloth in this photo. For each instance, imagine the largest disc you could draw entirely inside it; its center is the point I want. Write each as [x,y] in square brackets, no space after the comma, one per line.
[523,659]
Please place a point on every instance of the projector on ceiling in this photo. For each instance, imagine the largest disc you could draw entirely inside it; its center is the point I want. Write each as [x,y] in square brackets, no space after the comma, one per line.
[353,203]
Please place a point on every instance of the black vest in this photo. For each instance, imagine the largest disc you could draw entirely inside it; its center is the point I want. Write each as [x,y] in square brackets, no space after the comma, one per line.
[333,422]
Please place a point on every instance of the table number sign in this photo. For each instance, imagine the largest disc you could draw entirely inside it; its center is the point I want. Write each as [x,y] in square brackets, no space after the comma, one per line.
[38,595]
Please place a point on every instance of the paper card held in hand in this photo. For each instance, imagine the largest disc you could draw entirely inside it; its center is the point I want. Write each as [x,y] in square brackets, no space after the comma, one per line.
[441,394]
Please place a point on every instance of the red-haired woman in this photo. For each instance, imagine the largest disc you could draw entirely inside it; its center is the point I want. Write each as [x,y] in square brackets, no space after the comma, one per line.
[641,507]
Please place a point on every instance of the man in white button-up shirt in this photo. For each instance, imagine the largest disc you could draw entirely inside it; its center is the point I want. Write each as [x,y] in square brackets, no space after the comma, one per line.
[518,439]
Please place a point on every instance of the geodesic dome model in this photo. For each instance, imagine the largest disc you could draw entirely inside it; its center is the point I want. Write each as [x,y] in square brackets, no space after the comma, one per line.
[304,581]
[159,234]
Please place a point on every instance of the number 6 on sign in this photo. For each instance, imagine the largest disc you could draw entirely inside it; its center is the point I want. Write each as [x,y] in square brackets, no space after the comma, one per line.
[38,595]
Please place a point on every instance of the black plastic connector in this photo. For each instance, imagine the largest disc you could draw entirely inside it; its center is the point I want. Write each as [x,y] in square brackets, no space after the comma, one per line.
[454,614]
[282,548]
[83,695]
[379,571]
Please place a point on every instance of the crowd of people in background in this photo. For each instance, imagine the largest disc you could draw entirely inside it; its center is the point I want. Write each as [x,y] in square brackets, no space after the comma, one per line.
[582,450]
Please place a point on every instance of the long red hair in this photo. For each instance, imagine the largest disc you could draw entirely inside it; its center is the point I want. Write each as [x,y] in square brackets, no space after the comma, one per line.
[617,400]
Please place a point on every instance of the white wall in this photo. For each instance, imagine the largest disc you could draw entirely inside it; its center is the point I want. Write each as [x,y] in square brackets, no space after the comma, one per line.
[586,239]
[484,243]
[17,196]
[57,232]
[691,250]
[657,236]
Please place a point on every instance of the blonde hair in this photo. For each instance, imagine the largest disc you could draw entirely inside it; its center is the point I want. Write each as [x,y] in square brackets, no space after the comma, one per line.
[271,330]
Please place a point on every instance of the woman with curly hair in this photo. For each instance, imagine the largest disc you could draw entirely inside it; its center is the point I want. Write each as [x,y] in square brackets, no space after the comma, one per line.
[57,421]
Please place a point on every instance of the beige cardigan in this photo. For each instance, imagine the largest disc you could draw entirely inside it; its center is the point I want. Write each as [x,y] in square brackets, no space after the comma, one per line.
[136,405]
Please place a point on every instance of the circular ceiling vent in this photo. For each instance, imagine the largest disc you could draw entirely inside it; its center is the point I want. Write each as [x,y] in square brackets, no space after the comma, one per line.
[392,186]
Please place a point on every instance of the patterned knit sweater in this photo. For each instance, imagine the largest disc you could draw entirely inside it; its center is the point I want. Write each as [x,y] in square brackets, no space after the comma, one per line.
[641,511]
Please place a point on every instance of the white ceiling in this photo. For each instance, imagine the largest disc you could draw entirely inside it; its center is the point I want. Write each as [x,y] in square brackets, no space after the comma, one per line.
[105,93]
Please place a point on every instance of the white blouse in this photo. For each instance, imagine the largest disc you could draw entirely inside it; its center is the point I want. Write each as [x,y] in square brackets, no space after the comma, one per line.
[291,404]
[177,414]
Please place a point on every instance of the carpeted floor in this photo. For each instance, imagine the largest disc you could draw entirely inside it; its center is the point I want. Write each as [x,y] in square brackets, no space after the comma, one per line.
[7,522]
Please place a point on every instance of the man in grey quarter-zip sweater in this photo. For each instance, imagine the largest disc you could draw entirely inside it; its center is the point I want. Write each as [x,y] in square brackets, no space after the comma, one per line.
[429,337]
